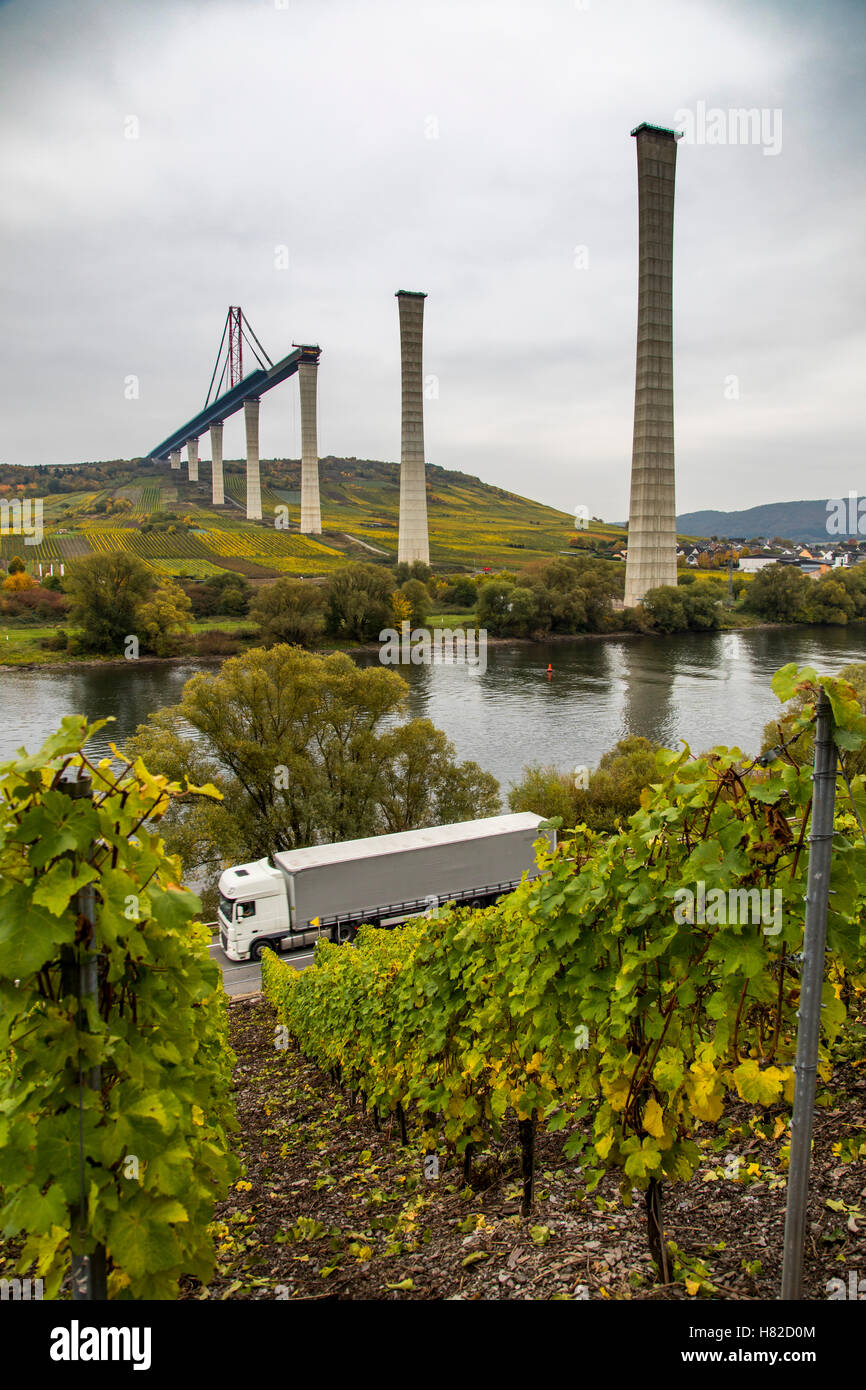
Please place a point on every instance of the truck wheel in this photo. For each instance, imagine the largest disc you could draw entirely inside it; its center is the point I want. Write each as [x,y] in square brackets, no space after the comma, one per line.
[256,950]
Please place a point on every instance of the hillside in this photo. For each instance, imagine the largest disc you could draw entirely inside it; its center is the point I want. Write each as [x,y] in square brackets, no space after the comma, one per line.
[171,523]
[795,521]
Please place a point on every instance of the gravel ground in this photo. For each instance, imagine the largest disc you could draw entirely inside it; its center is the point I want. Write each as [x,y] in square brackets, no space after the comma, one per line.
[333,1207]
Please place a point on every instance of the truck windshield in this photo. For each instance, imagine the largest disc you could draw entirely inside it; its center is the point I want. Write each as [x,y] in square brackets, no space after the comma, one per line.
[226,906]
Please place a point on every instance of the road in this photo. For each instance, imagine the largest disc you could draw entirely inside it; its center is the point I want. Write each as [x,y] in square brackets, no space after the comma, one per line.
[243,977]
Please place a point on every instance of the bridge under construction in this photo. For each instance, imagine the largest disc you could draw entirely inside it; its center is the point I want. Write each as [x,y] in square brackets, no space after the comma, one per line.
[245,393]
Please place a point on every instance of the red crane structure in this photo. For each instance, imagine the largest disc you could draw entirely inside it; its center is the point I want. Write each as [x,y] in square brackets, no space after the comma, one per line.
[236,329]
[236,344]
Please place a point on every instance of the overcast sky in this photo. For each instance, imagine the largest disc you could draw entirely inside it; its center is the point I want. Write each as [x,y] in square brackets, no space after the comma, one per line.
[465,148]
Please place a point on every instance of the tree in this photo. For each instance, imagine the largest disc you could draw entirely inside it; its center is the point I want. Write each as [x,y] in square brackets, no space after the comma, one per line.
[505,609]
[667,608]
[291,610]
[460,592]
[358,601]
[304,749]
[779,593]
[162,616]
[106,591]
[18,581]
[416,570]
[418,597]
[829,601]
[16,565]
[683,609]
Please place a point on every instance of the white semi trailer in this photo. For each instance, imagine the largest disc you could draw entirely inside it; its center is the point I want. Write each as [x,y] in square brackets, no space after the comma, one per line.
[329,890]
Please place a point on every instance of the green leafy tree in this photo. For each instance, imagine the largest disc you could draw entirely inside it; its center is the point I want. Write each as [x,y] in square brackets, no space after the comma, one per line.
[830,601]
[418,597]
[358,599]
[16,565]
[416,570]
[506,609]
[290,610]
[666,607]
[106,591]
[779,593]
[460,592]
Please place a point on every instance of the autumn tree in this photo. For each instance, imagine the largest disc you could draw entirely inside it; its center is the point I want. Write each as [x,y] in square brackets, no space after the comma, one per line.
[161,618]
[106,591]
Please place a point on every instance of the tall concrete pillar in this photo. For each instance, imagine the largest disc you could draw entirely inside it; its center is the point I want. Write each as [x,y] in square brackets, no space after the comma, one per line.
[174,458]
[192,459]
[413,543]
[652,538]
[311,515]
[254,482]
[216,453]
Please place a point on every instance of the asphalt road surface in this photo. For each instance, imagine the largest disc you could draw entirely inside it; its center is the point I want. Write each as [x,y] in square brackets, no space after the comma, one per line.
[245,976]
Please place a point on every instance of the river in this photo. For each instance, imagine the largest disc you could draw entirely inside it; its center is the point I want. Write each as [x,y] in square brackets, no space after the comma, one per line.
[706,688]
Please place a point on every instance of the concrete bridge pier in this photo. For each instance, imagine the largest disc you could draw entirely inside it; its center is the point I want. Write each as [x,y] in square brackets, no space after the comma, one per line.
[174,458]
[311,515]
[254,481]
[192,459]
[652,531]
[413,542]
[216,453]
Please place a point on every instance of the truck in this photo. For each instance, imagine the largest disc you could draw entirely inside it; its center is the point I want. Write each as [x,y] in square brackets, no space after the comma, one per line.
[330,890]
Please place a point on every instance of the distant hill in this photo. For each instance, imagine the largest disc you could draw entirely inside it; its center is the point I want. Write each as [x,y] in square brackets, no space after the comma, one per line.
[156,513]
[796,521]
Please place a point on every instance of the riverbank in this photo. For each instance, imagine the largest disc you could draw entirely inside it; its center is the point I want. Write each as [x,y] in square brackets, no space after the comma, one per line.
[52,661]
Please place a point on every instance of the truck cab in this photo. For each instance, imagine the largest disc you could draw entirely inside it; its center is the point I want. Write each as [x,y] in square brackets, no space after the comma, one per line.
[253,910]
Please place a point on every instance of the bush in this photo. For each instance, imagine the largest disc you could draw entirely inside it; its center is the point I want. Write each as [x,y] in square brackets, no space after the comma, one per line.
[613,791]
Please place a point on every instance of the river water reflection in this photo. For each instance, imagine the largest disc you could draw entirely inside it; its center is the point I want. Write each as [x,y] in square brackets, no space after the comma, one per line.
[706,688]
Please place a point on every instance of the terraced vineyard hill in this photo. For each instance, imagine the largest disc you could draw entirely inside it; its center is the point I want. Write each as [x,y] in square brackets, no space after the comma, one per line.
[171,523]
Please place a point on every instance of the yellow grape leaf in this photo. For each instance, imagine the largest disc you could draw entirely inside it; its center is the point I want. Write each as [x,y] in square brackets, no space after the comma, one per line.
[604,1144]
[704,1091]
[616,1091]
[653,1119]
[692,1287]
[760,1085]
